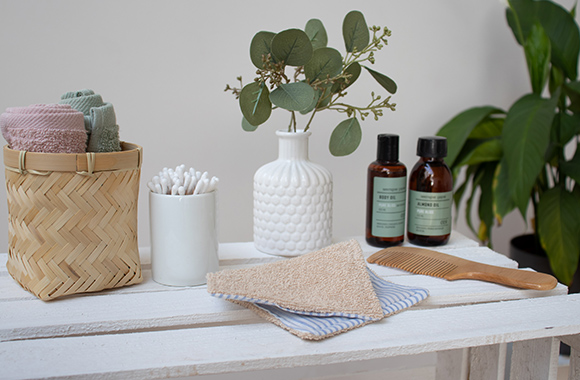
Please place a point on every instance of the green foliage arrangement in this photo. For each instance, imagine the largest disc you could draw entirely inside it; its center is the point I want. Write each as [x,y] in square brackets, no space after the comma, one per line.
[321,76]
[517,156]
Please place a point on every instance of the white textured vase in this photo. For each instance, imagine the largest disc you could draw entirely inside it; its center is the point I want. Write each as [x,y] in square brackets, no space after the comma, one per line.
[292,200]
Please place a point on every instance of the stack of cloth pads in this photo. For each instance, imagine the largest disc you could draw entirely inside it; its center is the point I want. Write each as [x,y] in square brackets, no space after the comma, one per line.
[80,123]
[318,295]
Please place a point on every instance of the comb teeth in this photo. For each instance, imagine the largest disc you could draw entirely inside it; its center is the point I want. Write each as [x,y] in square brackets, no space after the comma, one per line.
[412,262]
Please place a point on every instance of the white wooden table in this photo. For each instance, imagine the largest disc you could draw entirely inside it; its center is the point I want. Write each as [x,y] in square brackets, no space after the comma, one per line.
[149,331]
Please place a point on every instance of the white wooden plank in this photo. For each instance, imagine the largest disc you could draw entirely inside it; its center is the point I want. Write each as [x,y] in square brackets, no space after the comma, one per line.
[574,369]
[123,309]
[480,254]
[452,364]
[574,342]
[535,359]
[487,362]
[226,349]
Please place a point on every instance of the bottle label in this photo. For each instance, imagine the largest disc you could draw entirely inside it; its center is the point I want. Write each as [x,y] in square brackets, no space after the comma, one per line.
[430,213]
[389,199]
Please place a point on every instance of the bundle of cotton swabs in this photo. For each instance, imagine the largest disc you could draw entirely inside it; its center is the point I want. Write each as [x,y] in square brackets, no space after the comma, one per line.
[179,181]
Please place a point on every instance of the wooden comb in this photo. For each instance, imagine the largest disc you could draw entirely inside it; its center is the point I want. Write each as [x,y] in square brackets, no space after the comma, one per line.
[432,263]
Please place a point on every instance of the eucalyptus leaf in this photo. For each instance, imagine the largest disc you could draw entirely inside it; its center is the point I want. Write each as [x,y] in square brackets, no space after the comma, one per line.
[526,135]
[559,229]
[246,126]
[387,83]
[292,46]
[537,49]
[260,47]
[355,32]
[353,70]
[322,92]
[296,96]
[317,33]
[458,129]
[345,138]
[255,103]
[325,63]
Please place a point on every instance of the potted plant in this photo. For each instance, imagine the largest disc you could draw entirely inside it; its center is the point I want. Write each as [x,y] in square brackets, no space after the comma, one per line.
[298,72]
[514,157]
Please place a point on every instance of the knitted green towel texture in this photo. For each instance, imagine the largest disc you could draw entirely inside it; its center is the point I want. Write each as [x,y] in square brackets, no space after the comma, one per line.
[100,120]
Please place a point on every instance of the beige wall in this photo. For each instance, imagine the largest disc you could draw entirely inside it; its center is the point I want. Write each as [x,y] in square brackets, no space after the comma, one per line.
[164,65]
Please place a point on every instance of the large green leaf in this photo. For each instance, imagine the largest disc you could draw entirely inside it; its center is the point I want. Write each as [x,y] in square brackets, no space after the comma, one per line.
[260,47]
[479,151]
[255,103]
[292,46]
[355,32]
[477,177]
[345,138]
[325,63]
[559,230]
[353,70]
[489,128]
[526,135]
[458,129]
[387,83]
[573,91]
[296,96]
[317,33]
[572,168]
[569,127]
[537,50]
[502,198]
[559,25]
[485,209]
[520,16]
[564,36]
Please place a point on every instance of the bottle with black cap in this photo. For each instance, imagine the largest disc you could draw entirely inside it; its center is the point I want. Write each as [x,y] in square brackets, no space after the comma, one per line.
[386,195]
[430,194]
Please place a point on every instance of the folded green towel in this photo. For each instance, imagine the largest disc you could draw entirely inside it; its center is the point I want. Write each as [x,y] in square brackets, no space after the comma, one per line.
[83,101]
[100,120]
[104,130]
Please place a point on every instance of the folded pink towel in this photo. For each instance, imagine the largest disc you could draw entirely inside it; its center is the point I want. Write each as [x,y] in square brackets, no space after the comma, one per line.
[46,128]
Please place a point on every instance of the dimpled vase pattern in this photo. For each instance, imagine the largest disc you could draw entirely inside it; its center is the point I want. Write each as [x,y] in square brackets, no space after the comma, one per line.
[292,200]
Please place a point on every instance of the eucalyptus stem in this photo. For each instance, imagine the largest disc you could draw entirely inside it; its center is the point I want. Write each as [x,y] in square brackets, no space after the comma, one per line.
[292,126]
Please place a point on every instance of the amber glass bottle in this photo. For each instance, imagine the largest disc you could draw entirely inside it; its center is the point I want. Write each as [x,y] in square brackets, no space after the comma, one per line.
[386,195]
[430,194]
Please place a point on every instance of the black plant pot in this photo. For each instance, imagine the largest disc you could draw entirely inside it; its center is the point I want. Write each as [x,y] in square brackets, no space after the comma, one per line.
[526,250]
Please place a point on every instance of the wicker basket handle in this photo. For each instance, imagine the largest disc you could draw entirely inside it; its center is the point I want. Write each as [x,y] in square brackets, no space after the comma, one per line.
[130,158]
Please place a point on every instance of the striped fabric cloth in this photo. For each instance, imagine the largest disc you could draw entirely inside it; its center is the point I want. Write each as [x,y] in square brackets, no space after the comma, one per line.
[392,297]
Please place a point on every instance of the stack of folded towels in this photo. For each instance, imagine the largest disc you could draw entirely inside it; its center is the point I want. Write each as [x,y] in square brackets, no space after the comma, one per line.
[81,122]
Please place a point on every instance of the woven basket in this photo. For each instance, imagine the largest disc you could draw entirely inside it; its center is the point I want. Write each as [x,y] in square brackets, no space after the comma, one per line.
[73,220]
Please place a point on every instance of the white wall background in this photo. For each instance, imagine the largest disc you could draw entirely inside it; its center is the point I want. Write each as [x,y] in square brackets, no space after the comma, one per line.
[164,66]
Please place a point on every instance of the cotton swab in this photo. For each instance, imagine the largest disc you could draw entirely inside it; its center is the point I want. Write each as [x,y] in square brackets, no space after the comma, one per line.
[180,181]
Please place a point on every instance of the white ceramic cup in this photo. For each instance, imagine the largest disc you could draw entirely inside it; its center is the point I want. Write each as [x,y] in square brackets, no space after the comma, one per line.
[184,245]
